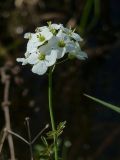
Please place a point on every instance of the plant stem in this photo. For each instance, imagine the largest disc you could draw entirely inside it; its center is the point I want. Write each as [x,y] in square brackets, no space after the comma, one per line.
[51,111]
[85,15]
[5,105]
[29,136]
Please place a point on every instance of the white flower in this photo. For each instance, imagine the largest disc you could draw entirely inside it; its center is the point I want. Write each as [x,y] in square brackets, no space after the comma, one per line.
[24,60]
[44,58]
[58,46]
[79,55]
[56,26]
[37,39]
[52,27]
[76,52]
[50,43]
[39,29]
[72,34]
[60,43]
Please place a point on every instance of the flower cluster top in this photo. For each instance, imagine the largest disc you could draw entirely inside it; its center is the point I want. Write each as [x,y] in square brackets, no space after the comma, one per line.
[48,44]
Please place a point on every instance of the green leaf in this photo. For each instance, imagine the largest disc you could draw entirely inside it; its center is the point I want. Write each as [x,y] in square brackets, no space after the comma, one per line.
[115,108]
[50,134]
[57,132]
[60,128]
[44,141]
[44,152]
[61,125]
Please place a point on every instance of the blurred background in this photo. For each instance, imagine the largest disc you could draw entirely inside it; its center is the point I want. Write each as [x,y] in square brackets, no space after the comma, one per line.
[93,130]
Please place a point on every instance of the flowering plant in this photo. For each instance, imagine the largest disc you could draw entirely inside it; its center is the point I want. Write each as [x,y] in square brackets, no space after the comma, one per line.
[48,44]
[45,47]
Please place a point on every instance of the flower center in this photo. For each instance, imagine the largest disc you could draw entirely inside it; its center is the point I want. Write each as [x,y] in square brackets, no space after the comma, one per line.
[41,38]
[53,31]
[69,32]
[61,43]
[41,56]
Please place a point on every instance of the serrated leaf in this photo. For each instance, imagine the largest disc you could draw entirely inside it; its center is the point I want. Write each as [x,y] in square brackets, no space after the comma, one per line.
[113,107]
[58,132]
[61,125]
[60,128]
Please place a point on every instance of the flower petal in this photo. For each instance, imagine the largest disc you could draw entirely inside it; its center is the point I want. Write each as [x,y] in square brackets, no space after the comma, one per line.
[39,29]
[27,35]
[70,47]
[53,42]
[61,52]
[39,68]
[33,58]
[47,34]
[61,35]
[76,37]
[56,26]
[51,58]
[23,60]
[33,43]
[34,37]
[32,47]
[27,54]
[82,55]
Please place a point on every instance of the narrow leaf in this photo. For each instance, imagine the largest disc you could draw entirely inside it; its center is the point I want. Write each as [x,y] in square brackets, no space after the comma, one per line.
[115,108]
[44,141]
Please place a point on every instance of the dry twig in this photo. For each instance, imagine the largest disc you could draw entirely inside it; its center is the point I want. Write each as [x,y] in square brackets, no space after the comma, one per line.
[5,106]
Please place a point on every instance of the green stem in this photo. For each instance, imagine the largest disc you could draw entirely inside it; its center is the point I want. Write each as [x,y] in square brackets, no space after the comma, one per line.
[97,9]
[51,112]
[85,15]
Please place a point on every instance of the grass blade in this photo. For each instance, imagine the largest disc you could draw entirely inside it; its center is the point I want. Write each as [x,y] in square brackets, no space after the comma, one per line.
[108,105]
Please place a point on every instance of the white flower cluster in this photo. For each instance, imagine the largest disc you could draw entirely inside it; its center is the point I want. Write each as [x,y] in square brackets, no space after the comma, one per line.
[48,44]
